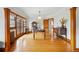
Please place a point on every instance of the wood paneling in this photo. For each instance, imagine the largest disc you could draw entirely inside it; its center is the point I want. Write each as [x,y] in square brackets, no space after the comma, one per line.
[17,14]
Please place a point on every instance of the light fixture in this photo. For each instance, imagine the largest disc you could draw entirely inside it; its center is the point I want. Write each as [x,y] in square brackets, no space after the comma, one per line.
[39,17]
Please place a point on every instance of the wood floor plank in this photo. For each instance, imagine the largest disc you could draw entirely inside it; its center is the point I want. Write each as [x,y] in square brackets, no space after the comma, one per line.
[27,44]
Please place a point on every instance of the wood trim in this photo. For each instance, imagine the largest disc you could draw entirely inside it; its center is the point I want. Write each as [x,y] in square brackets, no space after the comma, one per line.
[20,26]
[23,26]
[76,50]
[7,29]
[73,27]
[16,25]
[17,14]
[12,27]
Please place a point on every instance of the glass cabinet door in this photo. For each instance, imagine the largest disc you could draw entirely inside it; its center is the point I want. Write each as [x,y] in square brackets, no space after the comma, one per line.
[12,24]
[18,26]
[22,25]
[12,20]
[12,28]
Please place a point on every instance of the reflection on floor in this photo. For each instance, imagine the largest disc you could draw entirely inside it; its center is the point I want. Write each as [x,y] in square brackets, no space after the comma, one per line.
[26,43]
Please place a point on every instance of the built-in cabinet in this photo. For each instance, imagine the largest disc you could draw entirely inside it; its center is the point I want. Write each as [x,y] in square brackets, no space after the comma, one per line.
[12,28]
[15,27]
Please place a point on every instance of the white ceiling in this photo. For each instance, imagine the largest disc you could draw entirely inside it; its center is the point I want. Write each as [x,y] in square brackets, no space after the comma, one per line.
[32,12]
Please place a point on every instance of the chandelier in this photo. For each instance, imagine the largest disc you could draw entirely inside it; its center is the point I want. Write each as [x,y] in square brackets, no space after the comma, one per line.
[39,17]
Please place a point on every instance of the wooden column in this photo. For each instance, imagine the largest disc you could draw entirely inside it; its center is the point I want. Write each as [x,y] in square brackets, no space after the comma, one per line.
[73,27]
[7,29]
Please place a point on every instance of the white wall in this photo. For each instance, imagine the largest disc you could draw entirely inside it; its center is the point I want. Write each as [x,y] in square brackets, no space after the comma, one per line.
[77,28]
[2,25]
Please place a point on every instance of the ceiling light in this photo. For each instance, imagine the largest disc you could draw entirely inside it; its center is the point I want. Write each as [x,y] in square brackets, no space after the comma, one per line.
[39,17]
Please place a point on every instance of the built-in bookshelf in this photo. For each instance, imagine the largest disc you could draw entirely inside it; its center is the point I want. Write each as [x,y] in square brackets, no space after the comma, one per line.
[15,27]
[12,27]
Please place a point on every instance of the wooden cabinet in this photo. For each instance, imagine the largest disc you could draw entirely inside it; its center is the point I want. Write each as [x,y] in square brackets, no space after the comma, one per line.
[60,31]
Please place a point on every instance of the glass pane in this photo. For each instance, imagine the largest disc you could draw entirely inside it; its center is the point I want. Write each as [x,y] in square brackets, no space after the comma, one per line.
[24,26]
[21,25]
[12,20]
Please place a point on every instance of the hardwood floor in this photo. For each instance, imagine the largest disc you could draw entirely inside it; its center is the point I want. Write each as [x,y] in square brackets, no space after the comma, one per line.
[26,43]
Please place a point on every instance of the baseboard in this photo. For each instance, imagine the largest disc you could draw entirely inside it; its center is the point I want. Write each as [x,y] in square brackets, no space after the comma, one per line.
[76,50]
[66,39]
[2,49]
